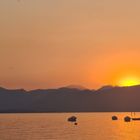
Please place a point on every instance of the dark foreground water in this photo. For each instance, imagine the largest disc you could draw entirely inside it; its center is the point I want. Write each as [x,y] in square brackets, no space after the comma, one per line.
[91,126]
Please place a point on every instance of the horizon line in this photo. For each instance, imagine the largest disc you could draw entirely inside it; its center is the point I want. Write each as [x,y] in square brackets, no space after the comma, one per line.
[68,87]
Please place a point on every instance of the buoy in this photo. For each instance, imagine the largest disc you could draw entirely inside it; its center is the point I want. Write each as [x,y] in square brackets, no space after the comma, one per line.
[114,118]
[127,119]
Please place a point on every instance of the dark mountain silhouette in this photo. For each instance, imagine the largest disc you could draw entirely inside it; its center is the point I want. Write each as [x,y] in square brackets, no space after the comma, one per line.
[106,87]
[76,87]
[105,99]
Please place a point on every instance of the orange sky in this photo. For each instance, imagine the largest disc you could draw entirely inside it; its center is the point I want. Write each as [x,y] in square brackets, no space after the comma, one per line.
[51,43]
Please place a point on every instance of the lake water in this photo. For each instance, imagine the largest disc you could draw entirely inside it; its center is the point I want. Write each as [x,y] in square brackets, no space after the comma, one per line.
[54,126]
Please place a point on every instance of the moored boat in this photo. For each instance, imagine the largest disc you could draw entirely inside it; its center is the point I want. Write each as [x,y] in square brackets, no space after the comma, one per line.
[127,119]
[136,119]
[114,118]
[72,119]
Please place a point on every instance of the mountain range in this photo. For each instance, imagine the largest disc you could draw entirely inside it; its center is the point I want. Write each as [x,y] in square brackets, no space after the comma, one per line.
[71,99]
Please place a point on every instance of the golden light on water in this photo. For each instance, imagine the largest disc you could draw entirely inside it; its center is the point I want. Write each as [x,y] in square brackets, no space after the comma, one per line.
[129,81]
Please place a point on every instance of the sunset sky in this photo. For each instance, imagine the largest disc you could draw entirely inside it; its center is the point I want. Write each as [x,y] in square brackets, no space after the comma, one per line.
[54,43]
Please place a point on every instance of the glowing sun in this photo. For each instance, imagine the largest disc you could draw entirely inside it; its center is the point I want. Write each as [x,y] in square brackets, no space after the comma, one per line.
[129,81]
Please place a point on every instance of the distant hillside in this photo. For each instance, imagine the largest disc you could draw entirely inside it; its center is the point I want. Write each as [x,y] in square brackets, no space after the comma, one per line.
[76,87]
[108,98]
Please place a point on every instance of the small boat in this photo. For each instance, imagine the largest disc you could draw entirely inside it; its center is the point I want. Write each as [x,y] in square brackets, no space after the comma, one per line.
[136,119]
[114,118]
[72,119]
[127,119]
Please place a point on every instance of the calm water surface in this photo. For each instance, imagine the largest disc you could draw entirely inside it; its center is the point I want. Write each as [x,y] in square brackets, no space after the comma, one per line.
[91,126]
